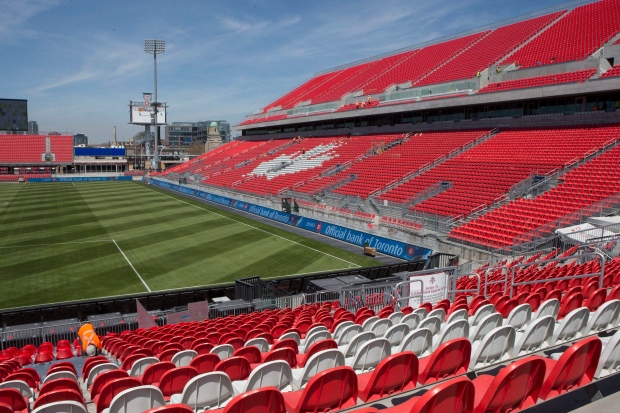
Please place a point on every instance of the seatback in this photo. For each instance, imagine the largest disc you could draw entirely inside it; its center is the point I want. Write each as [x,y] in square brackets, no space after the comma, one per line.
[394,374]
[152,373]
[610,357]
[519,317]
[369,322]
[112,388]
[267,399]
[183,358]
[252,354]
[289,342]
[549,307]
[173,381]
[456,329]
[58,384]
[237,368]
[59,395]
[432,323]
[61,407]
[286,354]
[411,320]
[348,333]
[515,387]
[321,361]
[315,336]
[421,312]
[496,346]
[333,389]
[396,333]
[396,317]
[449,359]
[596,299]
[315,329]
[536,336]
[575,368]
[223,351]
[370,354]
[340,328]
[259,343]
[96,370]
[208,390]
[571,326]
[485,325]
[357,341]
[419,341]
[453,396]
[58,375]
[138,367]
[457,315]
[275,373]
[603,318]
[380,326]
[569,304]
[439,313]
[137,399]
[22,386]
[105,377]
[482,312]
[13,398]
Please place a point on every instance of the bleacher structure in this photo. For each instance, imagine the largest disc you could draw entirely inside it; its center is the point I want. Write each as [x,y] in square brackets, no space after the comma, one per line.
[33,156]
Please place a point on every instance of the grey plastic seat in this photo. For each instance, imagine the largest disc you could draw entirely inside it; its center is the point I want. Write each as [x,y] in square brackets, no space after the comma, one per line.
[537,336]
[61,407]
[432,323]
[348,333]
[350,349]
[312,331]
[260,343]
[292,335]
[20,385]
[275,373]
[419,341]
[495,347]
[395,317]
[571,326]
[369,322]
[609,363]
[340,328]
[380,327]
[137,399]
[183,358]
[481,314]
[456,329]
[138,367]
[603,318]
[421,313]
[223,351]
[396,333]
[369,354]
[206,391]
[438,312]
[100,368]
[316,335]
[549,307]
[411,320]
[321,361]
[59,375]
[457,315]
[484,326]
[519,317]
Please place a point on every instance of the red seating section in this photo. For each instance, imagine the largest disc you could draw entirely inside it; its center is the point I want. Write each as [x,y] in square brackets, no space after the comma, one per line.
[613,72]
[28,149]
[575,36]
[569,77]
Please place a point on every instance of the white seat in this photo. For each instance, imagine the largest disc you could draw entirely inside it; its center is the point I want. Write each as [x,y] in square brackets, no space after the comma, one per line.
[223,351]
[260,343]
[571,326]
[369,322]
[481,313]
[411,320]
[20,385]
[313,338]
[457,315]
[100,368]
[537,335]
[432,323]
[396,333]
[496,346]
[421,313]
[60,375]
[488,323]
[275,373]
[314,330]
[380,327]
[137,399]
[350,349]
[369,355]
[456,329]
[340,328]
[292,335]
[419,341]
[348,333]
[438,312]
[61,407]
[609,362]
[603,318]
[138,367]
[183,358]
[395,317]
[549,307]
[206,391]
[519,317]
[318,362]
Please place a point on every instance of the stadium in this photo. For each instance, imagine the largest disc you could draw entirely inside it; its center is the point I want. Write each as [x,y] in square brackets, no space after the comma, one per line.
[433,229]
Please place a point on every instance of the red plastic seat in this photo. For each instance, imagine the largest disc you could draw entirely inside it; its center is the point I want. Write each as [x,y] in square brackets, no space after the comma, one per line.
[64,354]
[92,362]
[453,396]
[570,303]
[450,358]
[103,378]
[43,357]
[287,342]
[575,368]
[111,389]
[59,395]
[172,408]
[237,368]
[331,389]
[203,348]
[205,363]
[394,374]
[252,354]
[596,299]
[264,400]
[287,354]
[23,376]
[59,384]
[515,387]
[14,399]
[64,365]
[173,381]
[320,345]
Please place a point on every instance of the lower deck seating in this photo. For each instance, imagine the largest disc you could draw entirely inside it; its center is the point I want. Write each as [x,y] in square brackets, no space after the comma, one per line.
[538,81]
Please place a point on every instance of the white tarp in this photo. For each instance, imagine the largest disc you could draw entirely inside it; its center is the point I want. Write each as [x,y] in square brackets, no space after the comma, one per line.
[434,288]
[584,233]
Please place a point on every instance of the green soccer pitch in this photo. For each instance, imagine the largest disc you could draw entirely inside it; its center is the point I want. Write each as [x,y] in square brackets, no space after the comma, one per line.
[71,241]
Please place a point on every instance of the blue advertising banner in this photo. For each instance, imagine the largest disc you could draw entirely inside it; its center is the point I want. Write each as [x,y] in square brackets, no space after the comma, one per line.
[384,245]
[82,179]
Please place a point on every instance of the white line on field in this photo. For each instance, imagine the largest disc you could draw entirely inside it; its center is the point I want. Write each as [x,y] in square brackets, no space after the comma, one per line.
[258,229]
[58,243]
[131,265]
[73,183]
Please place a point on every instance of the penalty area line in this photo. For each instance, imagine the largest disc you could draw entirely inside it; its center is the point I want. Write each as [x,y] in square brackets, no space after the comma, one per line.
[132,267]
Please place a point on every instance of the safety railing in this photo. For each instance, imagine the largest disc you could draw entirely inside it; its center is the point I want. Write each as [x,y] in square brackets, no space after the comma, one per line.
[405,296]
[452,285]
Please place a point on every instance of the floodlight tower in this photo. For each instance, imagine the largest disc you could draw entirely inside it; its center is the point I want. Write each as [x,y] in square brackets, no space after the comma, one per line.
[155,47]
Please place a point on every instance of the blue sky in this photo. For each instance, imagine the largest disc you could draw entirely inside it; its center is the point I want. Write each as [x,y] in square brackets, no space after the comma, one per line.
[80,62]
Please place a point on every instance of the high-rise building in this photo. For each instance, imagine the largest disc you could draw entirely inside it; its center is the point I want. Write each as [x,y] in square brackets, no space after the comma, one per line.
[80,139]
[33,127]
[185,134]
[13,115]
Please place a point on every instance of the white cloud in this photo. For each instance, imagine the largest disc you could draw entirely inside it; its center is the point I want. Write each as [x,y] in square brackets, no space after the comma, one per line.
[15,14]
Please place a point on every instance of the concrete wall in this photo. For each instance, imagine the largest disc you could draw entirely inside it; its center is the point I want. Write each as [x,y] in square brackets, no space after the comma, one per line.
[544,70]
